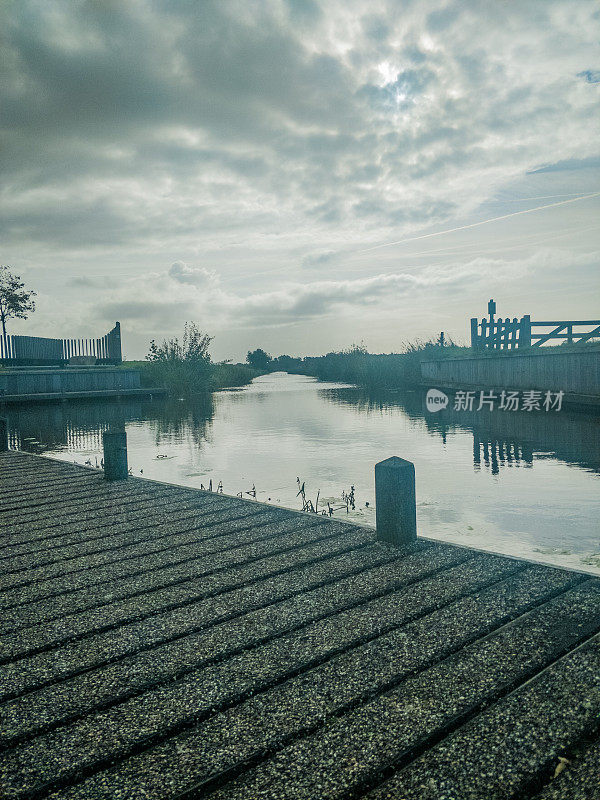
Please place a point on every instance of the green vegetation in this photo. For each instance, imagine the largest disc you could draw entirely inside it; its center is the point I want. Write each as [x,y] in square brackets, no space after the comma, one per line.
[259,359]
[396,370]
[182,380]
[226,375]
[185,367]
[375,371]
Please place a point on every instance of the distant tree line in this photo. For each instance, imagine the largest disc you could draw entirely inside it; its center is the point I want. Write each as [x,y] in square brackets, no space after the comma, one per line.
[356,365]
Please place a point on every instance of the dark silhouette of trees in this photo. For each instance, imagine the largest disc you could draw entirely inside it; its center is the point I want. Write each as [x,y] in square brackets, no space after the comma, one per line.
[16,302]
[285,363]
[259,359]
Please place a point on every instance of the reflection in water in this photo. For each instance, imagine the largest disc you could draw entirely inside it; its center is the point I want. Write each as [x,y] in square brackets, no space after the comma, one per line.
[500,438]
[78,426]
[514,482]
[500,453]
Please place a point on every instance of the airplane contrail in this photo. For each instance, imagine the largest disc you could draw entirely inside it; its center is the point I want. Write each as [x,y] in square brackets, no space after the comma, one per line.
[483,222]
[538,197]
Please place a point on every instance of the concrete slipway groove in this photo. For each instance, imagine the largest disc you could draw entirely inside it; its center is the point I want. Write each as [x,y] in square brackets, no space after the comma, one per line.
[66,526]
[104,648]
[21,617]
[71,557]
[69,522]
[11,491]
[94,488]
[145,556]
[186,590]
[288,533]
[78,558]
[135,576]
[233,650]
[90,510]
[122,528]
[104,687]
[266,675]
[42,505]
[581,780]
[77,508]
[42,501]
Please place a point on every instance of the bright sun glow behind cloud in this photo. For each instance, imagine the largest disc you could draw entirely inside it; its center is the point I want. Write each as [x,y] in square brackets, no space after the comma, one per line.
[271,151]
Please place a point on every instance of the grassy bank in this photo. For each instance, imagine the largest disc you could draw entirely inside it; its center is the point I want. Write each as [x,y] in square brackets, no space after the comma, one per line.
[376,371]
[225,376]
[184,378]
[399,370]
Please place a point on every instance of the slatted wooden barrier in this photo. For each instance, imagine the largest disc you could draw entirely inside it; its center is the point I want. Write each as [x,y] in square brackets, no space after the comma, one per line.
[28,350]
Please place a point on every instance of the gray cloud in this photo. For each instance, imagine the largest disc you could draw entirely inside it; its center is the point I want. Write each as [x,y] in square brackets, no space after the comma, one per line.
[590,75]
[271,137]
[319,259]
[198,276]
[210,302]
[171,118]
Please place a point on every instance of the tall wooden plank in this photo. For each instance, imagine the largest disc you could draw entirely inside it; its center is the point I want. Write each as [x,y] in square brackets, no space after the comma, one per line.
[484,333]
[525,331]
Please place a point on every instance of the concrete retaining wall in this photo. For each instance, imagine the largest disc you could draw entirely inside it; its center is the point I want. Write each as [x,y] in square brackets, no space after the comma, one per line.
[575,373]
[59,381]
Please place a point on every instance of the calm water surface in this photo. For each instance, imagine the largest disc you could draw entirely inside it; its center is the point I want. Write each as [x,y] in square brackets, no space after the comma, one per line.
[525,484]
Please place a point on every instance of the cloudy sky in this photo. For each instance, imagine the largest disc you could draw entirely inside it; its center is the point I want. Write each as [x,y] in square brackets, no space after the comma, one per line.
[299,175]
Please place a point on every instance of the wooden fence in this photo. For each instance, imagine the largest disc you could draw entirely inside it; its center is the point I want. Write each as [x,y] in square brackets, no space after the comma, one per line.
[576,372]
[34,350]
[509,334]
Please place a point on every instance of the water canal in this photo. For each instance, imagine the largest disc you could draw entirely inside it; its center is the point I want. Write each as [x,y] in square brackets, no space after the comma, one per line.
[520,483]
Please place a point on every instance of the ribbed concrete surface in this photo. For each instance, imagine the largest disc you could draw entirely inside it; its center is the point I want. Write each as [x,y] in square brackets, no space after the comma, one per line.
[161,642]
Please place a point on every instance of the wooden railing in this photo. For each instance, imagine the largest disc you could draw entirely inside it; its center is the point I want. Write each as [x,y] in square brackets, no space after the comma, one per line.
[36,350]
[509,334]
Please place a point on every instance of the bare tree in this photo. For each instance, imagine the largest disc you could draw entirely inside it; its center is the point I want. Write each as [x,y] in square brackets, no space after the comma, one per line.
[16,301]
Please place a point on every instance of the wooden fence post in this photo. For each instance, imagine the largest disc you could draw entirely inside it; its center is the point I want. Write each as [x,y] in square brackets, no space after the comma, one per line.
[115,455]
[485,342]
[3,434]
[475,333]
[395,504]
[525,331]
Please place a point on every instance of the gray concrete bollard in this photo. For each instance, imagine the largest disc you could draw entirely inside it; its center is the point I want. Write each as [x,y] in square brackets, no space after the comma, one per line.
[395,504]
[3,434]
[115,455]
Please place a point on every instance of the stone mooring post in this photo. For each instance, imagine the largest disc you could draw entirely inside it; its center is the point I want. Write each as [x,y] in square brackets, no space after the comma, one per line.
[3,434]
[115,455]
[395,503]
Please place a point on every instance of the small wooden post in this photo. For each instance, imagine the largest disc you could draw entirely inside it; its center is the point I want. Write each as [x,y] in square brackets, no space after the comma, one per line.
[395,512]
[3,434]
[115,455]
